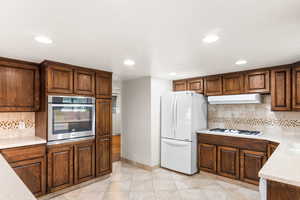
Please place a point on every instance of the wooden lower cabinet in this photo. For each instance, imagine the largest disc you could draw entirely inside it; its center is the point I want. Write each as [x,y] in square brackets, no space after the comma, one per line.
[103,156]
[281,191]
[84,165]
[207,157]
[271,148]
[228,162]
[60,167]
[29,163]
[250,164]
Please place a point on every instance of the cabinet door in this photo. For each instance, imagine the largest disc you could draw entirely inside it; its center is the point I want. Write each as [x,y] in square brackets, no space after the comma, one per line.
[195,84]
[207,157]
[281,91]
[103,117]
[228,162]
[251,163]
[84,166]
[179,85]
[84,82]
[271,148]
[213,85]
[257,81]
[103,85]
[296,87]
[59,79]
[103,156]
[33,174]
[233,83]
[60,167]
[19,86]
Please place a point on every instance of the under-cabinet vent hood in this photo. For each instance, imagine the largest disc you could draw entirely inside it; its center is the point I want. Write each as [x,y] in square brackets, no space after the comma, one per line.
[235,99]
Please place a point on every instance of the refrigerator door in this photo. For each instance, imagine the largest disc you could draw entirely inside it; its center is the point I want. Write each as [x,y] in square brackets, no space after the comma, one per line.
[183,117]
[167,115]
[178,155]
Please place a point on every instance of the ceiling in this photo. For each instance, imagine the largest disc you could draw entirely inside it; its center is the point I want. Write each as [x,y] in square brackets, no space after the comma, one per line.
[160,36]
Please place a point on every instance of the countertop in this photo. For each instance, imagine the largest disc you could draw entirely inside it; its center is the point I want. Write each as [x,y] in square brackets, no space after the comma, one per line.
[283,165]
[20,141]
[12,188]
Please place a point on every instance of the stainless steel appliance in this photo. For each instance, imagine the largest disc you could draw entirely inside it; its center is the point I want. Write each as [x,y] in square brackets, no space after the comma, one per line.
[70,117]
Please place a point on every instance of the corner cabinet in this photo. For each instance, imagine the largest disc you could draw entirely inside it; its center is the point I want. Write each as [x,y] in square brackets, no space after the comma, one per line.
[281,91]
[103,156]
[60,167]
[19,86]
[213,85]
[103,85]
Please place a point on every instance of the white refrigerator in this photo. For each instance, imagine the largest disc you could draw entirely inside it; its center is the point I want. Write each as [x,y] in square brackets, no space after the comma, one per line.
[182,114]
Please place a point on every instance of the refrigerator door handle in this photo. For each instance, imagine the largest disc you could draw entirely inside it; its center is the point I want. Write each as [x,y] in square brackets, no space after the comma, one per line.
[175,116]
[176,143]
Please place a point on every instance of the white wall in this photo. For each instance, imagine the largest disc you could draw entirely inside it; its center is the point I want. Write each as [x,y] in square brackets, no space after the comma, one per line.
[136,114]
[141,119]
[158,88]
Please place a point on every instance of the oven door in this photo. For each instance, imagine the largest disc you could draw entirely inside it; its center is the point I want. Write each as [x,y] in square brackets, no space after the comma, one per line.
[70,121]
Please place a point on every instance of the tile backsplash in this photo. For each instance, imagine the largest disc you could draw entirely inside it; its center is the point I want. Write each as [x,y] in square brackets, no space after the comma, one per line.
[17,124]
[254,117]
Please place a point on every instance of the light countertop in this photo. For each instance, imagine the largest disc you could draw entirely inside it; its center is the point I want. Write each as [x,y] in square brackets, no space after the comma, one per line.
[283,165]
[20,141]
[12,188]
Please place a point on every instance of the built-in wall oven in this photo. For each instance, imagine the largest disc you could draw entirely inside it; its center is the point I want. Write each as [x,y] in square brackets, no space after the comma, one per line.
[70,117]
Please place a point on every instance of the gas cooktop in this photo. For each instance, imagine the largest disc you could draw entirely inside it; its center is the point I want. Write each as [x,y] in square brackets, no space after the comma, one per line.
[234,131]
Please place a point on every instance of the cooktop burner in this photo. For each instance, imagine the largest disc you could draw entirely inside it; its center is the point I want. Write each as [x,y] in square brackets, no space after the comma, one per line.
[234,131]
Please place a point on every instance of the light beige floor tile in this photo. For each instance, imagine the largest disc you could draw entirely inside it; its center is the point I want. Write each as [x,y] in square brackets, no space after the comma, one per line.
[59,198]
[142,186]
[121,177]
[180,177]
[84,195]
[116,196]
[121,186]
[101,186]
[246,194]
[142,176]
[167,195]
[193,194]
[164,184]
[142,196]
[162,174]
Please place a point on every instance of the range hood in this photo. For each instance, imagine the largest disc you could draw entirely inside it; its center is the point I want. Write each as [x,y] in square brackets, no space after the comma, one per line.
[235,99]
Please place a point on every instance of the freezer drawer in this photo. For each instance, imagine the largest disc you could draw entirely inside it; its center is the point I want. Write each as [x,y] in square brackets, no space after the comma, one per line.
[178,155]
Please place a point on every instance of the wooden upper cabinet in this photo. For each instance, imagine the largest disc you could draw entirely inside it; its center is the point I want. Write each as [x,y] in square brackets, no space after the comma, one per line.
[281,91]
[19,86]
[251,163]
[195,84]
[84,82]
[103,85]
[179,85]
[257,81]
[228,162]
[296,87]
[233,83]
[103,156]
[213,85]
[84,165]
[207,159]
[60,167]
[103,117]
[59,79]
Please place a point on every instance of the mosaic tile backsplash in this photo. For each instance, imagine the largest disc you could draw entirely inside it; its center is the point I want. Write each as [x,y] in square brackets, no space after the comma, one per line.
[17,124]
[254,117]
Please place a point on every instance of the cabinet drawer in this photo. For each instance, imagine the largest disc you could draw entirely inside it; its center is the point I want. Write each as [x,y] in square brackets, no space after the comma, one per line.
[24,153]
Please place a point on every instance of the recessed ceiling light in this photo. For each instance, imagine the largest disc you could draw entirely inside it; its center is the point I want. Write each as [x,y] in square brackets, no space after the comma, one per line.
[173,74]
[210,38]
[43,39]
[129,62]
[241,62]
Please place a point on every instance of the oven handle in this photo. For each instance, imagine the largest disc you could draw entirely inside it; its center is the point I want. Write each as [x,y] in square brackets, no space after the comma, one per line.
[72,105]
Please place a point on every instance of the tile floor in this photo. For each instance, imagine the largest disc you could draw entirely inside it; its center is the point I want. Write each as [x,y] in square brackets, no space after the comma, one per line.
[131,183]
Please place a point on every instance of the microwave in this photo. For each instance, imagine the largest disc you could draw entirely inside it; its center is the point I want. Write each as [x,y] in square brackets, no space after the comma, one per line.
[70,117]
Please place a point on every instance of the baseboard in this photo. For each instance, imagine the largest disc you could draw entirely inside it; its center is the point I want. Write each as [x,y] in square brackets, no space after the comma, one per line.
[139,165]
